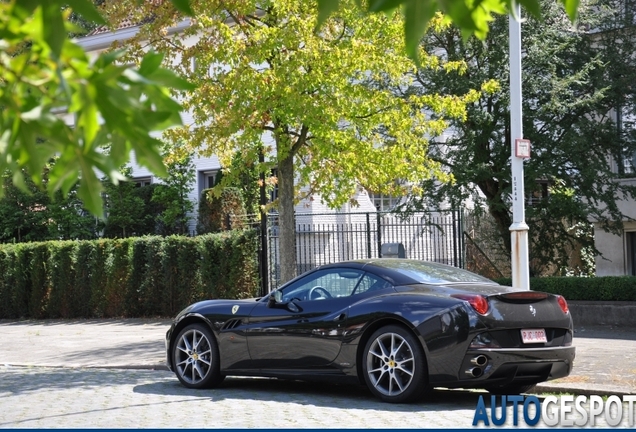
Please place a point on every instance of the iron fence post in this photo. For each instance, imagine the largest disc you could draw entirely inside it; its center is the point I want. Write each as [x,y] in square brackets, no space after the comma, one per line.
[379,228]
[454,224]
[368,236]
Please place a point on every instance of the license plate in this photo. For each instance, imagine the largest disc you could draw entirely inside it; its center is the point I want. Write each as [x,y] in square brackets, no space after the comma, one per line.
[529,336]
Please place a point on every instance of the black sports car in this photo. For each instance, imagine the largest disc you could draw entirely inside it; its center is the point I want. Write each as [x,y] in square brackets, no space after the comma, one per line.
[399,326]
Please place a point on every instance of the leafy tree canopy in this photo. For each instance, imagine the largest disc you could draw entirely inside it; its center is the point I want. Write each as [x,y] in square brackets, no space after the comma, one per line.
[43,73]
[470,17]
[33,215]
[325,108]
[573,83]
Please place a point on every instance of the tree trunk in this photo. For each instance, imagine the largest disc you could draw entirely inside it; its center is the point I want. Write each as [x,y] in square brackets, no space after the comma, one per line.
[503,222]
[286,223]
[497,209]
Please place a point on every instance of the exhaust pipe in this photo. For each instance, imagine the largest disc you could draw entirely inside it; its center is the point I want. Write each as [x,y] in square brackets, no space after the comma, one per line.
[474,372]
[480,360]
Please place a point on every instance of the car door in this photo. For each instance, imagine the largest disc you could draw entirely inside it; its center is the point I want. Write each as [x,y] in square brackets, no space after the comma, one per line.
[303,329]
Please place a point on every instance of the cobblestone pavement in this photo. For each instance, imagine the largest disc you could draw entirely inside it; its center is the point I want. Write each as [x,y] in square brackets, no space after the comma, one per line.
[80,398]
[39,397]
[111,374]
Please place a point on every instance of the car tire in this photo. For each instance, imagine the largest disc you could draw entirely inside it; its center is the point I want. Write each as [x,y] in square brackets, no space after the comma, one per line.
[511,389]
[195,357]
[394,365]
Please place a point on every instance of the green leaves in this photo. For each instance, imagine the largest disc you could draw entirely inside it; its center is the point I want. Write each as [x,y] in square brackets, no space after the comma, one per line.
[472,17]
[416,12]
[58,103]
[183,6]
[571,7]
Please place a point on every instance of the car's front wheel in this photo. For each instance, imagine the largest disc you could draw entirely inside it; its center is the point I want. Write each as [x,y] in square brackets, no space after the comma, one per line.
[195,357]
[394,366]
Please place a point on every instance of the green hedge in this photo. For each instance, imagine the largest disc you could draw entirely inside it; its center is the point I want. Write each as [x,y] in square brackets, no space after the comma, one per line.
[602,288]
[133,277]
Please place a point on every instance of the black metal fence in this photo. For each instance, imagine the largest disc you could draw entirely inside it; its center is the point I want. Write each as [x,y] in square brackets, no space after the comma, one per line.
[333,237]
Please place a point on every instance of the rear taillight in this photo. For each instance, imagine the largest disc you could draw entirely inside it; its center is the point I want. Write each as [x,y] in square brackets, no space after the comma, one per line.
[563,304]
[478,302]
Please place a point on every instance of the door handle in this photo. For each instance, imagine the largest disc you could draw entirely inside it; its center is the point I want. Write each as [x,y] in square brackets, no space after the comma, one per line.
[341,317]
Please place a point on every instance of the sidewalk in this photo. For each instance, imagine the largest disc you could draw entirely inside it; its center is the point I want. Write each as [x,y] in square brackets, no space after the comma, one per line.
[605,356]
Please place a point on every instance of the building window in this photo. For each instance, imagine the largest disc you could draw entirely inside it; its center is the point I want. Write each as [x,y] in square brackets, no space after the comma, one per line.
[142,181]
[207,179]
[627,164]
[630,257]
[541,193]
[384,203]
[626,124]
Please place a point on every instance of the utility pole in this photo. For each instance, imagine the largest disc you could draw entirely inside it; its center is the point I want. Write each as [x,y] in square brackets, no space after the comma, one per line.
[520,149]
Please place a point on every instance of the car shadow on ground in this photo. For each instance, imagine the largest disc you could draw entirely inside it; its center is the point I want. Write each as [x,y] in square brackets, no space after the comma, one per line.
[320,394]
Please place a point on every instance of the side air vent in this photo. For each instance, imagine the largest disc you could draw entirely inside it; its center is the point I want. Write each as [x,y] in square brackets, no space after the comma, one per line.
[231,324]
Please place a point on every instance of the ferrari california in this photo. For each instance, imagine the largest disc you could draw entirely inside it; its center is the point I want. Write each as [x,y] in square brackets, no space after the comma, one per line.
[398,326]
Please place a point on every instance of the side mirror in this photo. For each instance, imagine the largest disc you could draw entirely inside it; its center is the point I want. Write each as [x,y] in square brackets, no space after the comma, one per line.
[271,301]
[274,298]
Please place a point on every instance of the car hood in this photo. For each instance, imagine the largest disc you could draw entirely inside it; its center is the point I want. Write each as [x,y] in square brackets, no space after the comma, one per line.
[206,306]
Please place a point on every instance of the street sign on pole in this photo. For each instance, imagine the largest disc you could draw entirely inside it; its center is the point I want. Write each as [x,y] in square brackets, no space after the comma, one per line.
[522,148]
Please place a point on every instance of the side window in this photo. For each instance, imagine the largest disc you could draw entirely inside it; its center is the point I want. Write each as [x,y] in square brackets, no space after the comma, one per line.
[324,284]
[371,283]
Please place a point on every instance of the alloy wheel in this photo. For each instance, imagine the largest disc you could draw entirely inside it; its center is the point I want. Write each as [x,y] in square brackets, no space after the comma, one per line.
[390,364]
[193,356]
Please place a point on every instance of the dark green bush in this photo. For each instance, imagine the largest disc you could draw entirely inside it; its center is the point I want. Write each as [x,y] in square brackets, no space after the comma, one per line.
[22,280]
[83,273]
[220,213]
[61,277]
[39,285]
[605,288]
[132,277]
[100,260]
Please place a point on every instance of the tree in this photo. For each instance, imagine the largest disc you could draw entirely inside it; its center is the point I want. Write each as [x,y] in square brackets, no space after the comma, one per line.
[43,72]
[23,214]
[220,213]
[173,194]
[70,220]
[32,215]
[268,83]
[573,81]
[125,209]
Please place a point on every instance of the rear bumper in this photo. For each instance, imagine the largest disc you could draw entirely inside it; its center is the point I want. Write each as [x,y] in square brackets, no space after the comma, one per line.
[503,366]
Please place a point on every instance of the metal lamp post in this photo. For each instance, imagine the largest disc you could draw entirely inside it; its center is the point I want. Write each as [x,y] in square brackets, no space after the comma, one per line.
[520,149]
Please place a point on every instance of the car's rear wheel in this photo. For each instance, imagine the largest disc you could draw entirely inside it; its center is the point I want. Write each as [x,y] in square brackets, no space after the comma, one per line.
[195,357]
[394,366]
[511,389]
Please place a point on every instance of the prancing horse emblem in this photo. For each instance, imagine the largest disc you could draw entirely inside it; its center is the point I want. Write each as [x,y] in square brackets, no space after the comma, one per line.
[533,311]
[234,309]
